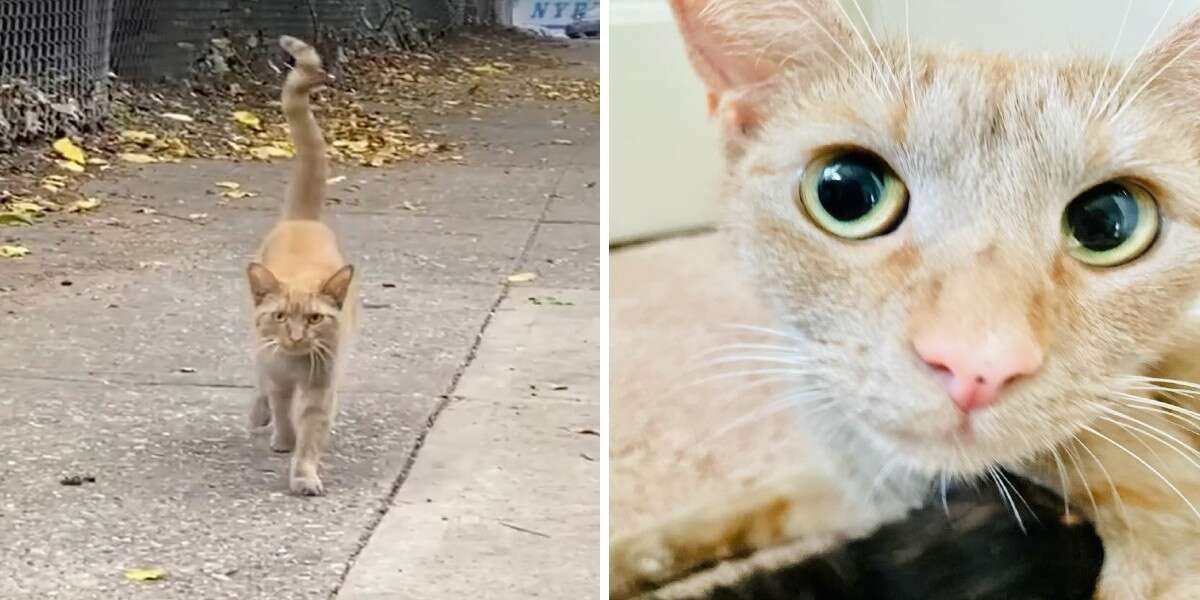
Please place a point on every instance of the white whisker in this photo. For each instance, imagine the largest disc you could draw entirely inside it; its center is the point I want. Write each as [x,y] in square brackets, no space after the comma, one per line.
[1159,380]
[912,87]
[1155,433]
[1151,80]
[797,373]
[1133,431]
[748,346]
[1160,404]
[878,47]
[1004,494]
[1083,478]
[1000,473]
[1133,63]
[1112,486]
[881,476]
[867,47]
[1062,477]
[945,504]
[1182,420]
[758,358]
[1112,54]
[765,330]
[767,410]
[1134,456]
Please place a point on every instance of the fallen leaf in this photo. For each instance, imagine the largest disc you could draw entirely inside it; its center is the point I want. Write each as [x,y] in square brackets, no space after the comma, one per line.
[177,117]
[83,205]
[562,142]
[333,180]
[27,207]
[53,183]
[68,150]
[137,158]
[12,217]
[145,573]
[522,277]
[268,152]
[174,147]
[229,185]
[13,251]
[238,194]
[248,119]
[198,216]
[70,166]
[138,137]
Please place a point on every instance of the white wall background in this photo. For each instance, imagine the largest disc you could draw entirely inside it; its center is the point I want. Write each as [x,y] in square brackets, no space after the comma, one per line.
[664,162]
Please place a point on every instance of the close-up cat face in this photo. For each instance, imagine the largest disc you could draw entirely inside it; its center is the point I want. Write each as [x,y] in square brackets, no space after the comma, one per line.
[297,322]
[297,325]
[973,253]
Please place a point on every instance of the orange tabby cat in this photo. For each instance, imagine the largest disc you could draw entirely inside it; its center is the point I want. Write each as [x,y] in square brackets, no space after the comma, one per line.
[974,261]
[305,302]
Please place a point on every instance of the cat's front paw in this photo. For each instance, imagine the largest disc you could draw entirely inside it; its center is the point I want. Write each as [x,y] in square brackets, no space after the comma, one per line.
[282,443]
[260,412]
[308,486]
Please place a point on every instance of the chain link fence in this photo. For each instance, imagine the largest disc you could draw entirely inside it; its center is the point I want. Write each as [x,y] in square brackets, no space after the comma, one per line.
[54,59]
[57,57]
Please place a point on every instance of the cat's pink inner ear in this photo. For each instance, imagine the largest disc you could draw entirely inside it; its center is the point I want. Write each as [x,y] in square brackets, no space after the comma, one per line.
[262,281]
[739,47]
[718,56]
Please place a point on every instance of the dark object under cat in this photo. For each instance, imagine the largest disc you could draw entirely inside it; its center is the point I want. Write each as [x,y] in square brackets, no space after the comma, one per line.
[975,552]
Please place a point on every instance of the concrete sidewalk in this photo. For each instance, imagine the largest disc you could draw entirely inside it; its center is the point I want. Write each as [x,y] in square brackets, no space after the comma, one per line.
[123,358]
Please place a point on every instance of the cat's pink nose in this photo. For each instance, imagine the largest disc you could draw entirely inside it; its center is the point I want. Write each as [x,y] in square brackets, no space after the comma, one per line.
[974,374]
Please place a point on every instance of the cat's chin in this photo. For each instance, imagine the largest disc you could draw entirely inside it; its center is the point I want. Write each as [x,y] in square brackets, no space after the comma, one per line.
[959,452]
[296,351]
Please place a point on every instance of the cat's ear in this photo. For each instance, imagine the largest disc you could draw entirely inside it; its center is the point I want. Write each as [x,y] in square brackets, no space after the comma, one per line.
[739,47]
[337,286]
[262,282]
[1172,67]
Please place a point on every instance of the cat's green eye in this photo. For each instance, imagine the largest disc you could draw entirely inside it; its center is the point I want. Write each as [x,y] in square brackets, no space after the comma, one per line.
[315,318]
[278,316]
[1111,224]
[853,194]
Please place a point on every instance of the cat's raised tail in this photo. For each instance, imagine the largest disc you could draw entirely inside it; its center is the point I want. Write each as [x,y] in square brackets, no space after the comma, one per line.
[306,189]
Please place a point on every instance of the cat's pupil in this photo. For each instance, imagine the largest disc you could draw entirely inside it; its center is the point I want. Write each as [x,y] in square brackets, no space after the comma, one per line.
[851,186]
[1104,217]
